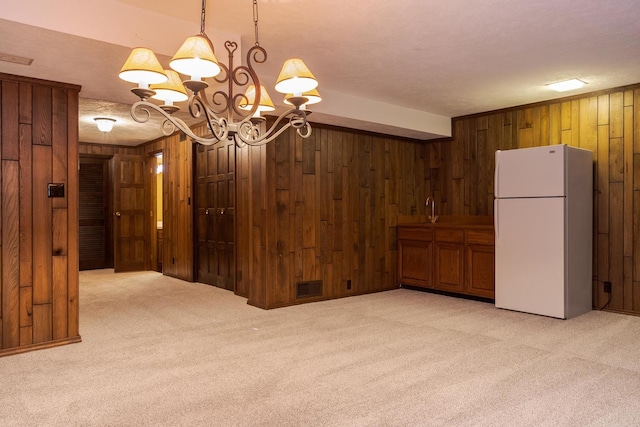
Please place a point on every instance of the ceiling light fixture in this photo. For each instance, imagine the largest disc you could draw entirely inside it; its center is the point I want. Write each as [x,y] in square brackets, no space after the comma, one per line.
[229,115]
[105,124]
[566,85]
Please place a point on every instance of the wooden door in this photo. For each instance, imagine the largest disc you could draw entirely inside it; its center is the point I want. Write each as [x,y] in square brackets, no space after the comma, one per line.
[129,213]
[215,166]
[94,214]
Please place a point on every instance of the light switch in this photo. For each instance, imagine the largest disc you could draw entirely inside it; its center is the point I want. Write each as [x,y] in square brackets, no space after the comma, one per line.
[55,190]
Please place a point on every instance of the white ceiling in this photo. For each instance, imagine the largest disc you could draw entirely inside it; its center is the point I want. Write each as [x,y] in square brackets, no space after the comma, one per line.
[401,67]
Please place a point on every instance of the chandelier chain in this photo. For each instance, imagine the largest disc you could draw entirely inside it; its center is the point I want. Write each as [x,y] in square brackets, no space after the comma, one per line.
[255,20]
[203,14]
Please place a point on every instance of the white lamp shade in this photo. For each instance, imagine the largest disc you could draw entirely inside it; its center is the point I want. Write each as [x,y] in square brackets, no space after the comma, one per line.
[295,77]
[172,90]
[105,124]
[266,104]
[313,97]
[142,67]
[195,58]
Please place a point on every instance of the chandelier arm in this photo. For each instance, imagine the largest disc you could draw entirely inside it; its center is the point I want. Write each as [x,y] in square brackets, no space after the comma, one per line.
[170,122]
[217,126]
[240,141]
[298,121]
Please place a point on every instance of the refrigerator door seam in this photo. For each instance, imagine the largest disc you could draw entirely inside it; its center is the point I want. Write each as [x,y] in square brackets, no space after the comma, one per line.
[496,173]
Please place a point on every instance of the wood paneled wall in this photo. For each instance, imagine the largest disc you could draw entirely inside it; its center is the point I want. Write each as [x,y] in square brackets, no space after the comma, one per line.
[178,237]
[608,124]
[106,150]
[38,234]
[177,185]
[325,208]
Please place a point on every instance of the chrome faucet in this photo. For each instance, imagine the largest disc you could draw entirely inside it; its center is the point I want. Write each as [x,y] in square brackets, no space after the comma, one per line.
[433,217]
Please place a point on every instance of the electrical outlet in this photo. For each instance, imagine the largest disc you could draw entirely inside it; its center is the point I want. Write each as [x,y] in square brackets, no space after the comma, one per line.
[607,287]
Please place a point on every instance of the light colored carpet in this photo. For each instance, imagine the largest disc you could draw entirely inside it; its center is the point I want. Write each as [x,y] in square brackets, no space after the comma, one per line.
[159,351]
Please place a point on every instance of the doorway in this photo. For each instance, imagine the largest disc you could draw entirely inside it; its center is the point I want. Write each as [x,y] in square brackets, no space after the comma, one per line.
[157,207]
[95,225]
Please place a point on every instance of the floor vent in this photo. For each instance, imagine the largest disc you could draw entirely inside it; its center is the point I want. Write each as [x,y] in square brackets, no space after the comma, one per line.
[312,288]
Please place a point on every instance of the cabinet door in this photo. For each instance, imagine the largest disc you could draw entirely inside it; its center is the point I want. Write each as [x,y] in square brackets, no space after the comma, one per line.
[480,263]
[480,274]
[415,263]
[449,268]
[449,259]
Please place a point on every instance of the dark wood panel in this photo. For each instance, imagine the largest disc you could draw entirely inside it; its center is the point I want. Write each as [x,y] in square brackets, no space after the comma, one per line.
[42,225]
[42,323]
[106,150]
[73,279]
[26,315]
[26,206]
[42,115]
[59,306]
[59,140]
[39,286]
[9,120]
[178,217]
[10,312]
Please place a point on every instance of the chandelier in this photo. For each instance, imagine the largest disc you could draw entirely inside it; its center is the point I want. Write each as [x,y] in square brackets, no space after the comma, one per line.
[232,114]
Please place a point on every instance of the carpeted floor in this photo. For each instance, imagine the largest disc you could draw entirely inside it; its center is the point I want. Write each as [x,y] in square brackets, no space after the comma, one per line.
[159,351]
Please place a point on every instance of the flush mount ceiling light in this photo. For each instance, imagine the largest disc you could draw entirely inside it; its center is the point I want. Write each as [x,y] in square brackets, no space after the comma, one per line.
[105,124]
[566,85]
[232,114]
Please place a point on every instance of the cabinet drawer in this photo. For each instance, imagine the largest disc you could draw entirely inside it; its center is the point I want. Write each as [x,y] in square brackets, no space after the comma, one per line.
[449,235]
[480,237]
[415,233]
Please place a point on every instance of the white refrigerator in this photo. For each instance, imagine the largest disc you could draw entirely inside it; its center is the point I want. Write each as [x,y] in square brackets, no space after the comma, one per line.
[543,213]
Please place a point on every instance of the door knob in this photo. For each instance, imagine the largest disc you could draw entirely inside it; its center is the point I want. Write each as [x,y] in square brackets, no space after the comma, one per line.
[206,212]
[117,214]
[221,211]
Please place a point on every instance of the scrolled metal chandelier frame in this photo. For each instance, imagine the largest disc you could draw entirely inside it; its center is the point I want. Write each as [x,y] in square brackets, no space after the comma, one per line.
[229,115]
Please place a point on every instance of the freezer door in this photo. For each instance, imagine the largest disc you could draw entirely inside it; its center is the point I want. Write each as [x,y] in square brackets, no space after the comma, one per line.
[530,255]
[530,172]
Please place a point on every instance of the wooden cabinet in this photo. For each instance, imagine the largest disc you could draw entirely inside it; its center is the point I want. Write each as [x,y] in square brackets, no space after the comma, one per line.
[480,260]
[455,257]
[449,259]
[415,256]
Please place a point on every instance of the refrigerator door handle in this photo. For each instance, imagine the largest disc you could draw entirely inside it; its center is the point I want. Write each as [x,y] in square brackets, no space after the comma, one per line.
[496,212]
[496,174]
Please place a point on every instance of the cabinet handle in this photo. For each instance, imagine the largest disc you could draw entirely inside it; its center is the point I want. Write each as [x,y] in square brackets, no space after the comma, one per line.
[206,212]
[117,214]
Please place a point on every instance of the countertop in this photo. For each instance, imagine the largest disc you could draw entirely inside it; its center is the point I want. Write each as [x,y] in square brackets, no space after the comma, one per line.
[447,221]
